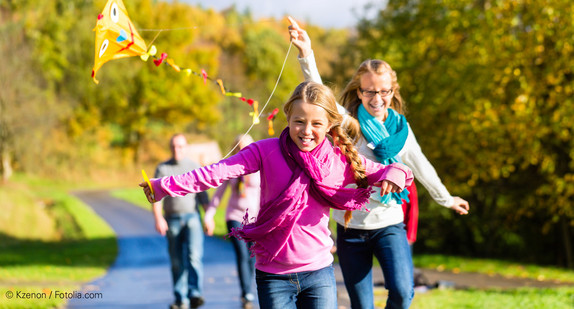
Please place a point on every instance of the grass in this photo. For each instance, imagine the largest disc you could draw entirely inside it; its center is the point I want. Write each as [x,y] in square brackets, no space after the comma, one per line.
[49,241]
[488,266]
[523,298]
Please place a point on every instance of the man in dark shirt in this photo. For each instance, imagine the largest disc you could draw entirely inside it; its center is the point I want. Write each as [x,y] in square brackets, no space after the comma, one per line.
[179,219]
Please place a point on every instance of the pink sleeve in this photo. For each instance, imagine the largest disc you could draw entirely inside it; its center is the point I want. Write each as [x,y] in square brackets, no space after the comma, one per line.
[397,173]
[247,161]
[157,190]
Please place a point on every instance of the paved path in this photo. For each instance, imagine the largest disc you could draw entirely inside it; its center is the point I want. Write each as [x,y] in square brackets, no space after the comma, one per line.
[140,276]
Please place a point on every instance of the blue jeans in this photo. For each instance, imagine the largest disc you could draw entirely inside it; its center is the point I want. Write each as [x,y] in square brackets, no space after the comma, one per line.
[185,242]
[390,246]
[245,263]
[306,290]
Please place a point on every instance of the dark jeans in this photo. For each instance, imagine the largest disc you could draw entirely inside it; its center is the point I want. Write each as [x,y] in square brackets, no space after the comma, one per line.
[303,290]
[389,245]
[245,263]
[185,241]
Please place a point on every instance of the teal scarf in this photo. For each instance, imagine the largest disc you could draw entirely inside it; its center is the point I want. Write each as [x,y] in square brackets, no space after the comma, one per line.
[386,139]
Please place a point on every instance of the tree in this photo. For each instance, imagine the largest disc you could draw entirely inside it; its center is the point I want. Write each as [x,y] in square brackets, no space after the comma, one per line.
[488,84]
[25,115]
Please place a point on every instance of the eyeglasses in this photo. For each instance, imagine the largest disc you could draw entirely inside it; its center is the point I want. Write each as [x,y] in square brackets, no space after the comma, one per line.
[372,94]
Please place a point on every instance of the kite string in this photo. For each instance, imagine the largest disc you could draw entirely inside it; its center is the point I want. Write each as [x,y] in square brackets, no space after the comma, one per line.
[263,20]
[160,30]
[169,29]
[266,103]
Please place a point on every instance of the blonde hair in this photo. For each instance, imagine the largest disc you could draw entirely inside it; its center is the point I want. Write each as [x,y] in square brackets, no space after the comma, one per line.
[242,141]
[322,96]
[350,99]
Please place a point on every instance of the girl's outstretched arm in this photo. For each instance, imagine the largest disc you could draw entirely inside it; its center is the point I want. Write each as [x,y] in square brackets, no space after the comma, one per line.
[247,161]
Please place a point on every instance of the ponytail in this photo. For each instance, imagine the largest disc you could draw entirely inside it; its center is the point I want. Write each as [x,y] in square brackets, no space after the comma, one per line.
[344,143]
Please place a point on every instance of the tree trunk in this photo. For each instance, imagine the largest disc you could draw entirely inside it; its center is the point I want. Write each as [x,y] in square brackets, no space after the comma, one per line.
[6,166]
[567,242]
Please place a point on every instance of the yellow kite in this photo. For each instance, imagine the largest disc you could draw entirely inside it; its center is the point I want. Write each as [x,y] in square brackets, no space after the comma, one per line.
[116,36]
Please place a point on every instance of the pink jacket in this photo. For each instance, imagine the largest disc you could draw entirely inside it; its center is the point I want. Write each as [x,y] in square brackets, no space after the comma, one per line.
[308,248]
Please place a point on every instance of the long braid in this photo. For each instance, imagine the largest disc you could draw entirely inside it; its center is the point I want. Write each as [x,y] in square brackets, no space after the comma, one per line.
[344,143]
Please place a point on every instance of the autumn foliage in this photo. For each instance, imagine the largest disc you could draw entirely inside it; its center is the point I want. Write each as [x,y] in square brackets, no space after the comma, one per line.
[488,84]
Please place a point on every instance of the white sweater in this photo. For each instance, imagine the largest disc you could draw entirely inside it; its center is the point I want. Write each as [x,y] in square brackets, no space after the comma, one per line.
[382,215]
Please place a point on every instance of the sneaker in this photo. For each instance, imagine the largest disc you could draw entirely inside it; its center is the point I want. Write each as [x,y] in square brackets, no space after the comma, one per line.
[247,301]
[196,302]
[178,306]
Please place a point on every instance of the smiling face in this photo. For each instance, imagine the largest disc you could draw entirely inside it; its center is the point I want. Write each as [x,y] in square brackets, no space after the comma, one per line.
[377,77]
[376,106]
[308,125]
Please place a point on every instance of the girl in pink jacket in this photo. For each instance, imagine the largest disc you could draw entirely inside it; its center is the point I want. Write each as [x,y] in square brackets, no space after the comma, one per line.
[302,176]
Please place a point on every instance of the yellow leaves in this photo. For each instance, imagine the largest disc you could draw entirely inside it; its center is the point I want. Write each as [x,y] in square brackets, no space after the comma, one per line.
[540,278]
[552,79]
[540,37]
[548,165]
[507,170]
[520,105]
[507,70]
[567,48]
[569,177]
[494,172]
[540,49]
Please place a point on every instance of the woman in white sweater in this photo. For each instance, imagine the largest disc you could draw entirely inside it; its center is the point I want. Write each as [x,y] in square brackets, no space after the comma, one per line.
[372,108]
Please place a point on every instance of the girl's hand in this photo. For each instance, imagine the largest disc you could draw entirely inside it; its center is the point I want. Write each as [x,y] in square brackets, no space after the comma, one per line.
[299,38]
[387,187]
[209,226]
[147,191]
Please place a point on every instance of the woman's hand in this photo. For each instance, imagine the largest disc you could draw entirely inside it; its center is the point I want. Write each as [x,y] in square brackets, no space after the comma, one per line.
[299,38]
[147,191]
[460,206]
[387,187]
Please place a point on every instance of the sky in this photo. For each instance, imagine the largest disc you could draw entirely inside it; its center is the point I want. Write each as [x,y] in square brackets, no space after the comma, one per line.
[324,13]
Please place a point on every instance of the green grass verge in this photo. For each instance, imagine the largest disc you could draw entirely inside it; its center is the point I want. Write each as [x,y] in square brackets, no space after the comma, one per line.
[491,267]
[522,298]
[61,245]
